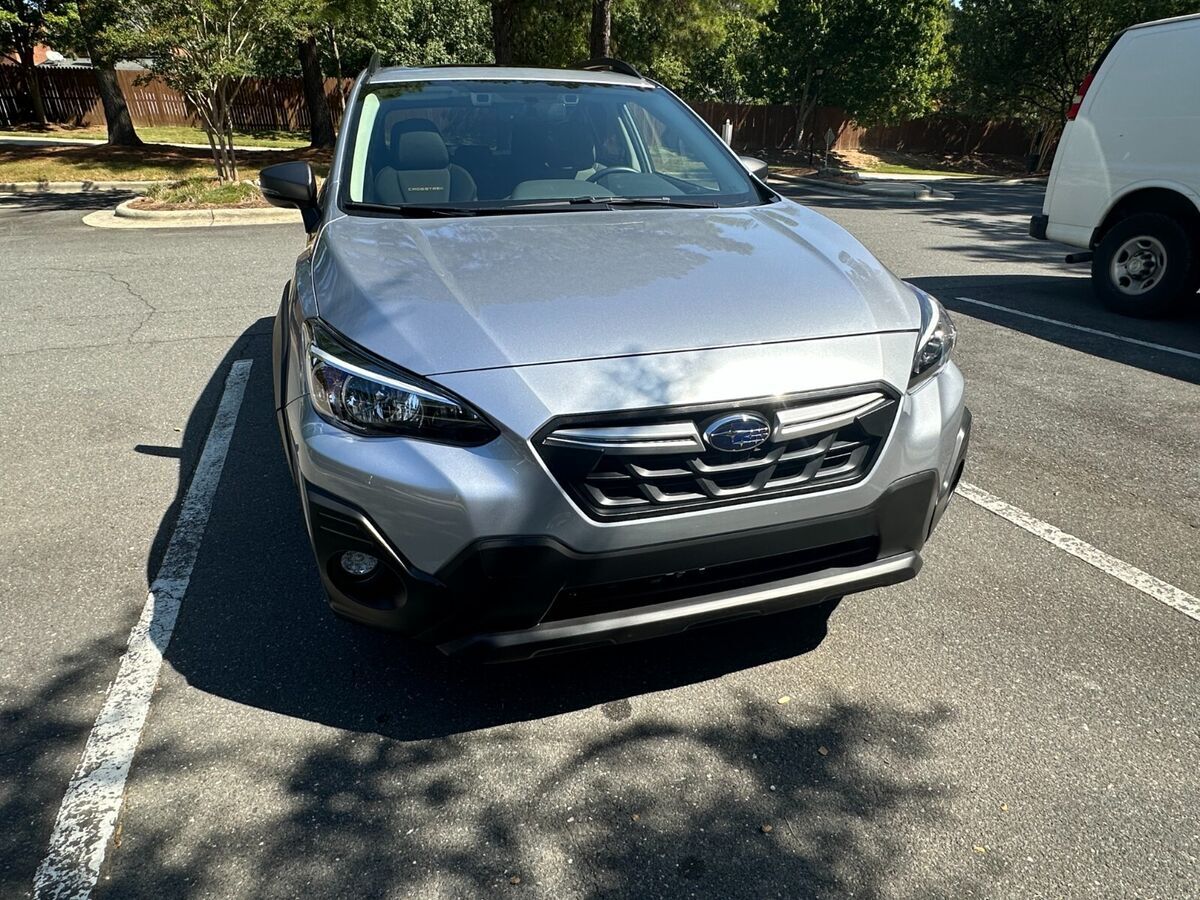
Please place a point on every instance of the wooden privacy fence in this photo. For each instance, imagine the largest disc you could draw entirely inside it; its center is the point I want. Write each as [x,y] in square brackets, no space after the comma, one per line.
[70,97]
[773,127]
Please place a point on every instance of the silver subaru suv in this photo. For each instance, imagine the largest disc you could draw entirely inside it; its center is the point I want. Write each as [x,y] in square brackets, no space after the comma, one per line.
[557,368]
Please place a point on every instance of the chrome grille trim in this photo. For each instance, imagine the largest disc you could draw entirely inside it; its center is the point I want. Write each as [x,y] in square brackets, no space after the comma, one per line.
[669,436]
[804,420]
[655,462]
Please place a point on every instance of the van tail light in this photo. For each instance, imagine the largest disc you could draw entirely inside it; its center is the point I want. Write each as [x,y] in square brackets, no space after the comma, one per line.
[1077,100]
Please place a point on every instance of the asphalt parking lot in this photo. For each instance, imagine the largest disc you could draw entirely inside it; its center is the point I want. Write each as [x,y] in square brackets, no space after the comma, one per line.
[1017,722]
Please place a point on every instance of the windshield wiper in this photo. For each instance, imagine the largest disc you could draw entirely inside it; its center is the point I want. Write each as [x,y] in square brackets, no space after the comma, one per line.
[411,209]
[549,204]
[568,204]
[679,202]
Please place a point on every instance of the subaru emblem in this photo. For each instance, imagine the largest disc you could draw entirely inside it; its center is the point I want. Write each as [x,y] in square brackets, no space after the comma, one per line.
[737,432]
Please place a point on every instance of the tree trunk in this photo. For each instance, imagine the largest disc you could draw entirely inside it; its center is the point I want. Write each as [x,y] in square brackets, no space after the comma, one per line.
[337,64]
[203,107]
[226,124]
[503,12]
[601,36]
[121,132]
[35,89]
[320,121]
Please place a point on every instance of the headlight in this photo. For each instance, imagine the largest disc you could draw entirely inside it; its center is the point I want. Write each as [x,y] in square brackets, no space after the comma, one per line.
[357,392]
[936,342]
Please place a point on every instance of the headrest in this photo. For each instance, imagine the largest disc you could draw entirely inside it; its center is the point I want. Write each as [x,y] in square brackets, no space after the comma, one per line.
[420,150]
[570,146]
[404,126]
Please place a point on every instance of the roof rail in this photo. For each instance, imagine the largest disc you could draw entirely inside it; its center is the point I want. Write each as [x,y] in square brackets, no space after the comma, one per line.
[608,63]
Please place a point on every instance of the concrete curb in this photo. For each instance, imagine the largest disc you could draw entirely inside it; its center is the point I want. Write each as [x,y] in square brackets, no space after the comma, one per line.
[980,179]
[76,187]
[892,190]
[124,217]
[900,176]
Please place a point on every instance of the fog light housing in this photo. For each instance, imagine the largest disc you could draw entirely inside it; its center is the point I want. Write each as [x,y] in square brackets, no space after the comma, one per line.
[357,563]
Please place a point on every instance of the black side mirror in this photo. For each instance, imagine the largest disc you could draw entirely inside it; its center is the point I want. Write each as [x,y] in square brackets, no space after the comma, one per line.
[292,185]
[754,166]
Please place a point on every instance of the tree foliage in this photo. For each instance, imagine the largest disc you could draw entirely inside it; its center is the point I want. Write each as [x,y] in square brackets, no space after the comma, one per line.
[1024,59]
[205,50]
[23,25]
[689,45]
[880,60]
[105,31]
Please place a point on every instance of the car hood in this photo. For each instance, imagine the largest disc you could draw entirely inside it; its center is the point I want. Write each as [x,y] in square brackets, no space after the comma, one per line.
[451,295]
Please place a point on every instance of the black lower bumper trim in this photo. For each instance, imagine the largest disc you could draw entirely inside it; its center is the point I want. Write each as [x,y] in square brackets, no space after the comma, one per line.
[499,587]
[671,618]
[1037,226]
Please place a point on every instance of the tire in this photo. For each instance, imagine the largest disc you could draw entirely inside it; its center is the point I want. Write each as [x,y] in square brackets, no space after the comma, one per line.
[1145,266]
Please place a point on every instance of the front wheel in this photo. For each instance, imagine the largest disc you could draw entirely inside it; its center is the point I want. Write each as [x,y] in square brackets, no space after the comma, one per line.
[1145,266]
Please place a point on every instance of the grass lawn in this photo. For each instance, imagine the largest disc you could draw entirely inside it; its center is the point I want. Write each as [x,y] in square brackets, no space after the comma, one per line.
[202,193]
[896,162]
[166,134]
[895,169]
[150,163]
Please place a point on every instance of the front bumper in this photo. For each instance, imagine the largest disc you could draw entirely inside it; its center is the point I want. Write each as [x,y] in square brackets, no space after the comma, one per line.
[485,554]
[514,598]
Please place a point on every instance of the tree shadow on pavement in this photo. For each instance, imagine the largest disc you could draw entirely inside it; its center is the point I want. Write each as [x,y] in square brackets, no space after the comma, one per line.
[48,202]
[992,218]
[44,723]
[743,804]
[1070,299]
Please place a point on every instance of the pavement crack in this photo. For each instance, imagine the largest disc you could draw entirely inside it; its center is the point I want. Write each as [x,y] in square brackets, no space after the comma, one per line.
[150,308]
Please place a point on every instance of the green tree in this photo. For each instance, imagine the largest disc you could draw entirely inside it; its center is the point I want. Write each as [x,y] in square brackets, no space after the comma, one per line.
[311,28]
[1024,59]
[205,50]
[23,25]
[677,41]
[106,31]
[725,71]
[413,33]
[880,60]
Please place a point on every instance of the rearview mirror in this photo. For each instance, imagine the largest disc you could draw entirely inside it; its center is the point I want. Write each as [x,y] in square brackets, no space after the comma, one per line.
[755,167]
[294,186]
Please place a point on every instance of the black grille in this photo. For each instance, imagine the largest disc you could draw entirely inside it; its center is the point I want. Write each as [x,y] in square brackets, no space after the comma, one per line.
[628,465]
[634,593]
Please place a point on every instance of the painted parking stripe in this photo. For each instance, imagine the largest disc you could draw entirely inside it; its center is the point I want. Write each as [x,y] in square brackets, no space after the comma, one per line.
[1105,334]
[1133,576]
[92,803]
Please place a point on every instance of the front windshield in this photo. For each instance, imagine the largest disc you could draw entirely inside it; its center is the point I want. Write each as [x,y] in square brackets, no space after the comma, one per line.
[480,144]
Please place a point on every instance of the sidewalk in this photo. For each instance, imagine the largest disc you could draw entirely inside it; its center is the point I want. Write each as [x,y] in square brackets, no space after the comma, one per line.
[952,176]
[901,189]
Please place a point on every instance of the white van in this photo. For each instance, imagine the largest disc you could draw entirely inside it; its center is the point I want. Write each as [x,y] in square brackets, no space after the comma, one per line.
[1125,184]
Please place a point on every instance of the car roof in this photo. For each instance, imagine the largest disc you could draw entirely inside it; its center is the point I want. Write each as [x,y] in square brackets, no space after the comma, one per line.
[1157,22]
[395,74]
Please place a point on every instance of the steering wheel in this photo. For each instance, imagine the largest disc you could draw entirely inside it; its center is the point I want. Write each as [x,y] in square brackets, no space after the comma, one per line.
[595,177]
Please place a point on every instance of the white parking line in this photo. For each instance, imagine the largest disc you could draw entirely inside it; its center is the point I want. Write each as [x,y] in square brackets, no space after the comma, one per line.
[1133,576]
[1106,334]
[92,803]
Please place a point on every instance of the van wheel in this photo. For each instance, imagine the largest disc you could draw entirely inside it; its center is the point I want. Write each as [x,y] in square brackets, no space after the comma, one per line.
[1144,266]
